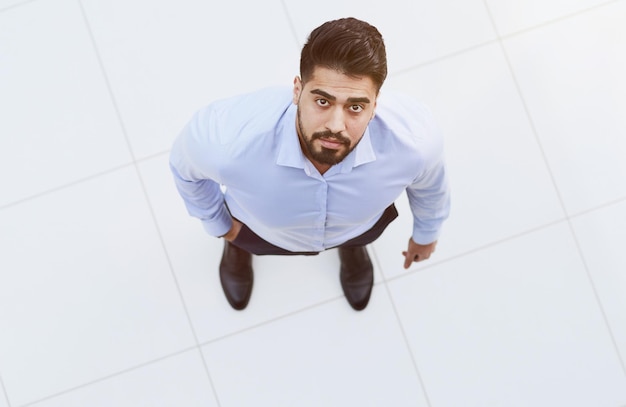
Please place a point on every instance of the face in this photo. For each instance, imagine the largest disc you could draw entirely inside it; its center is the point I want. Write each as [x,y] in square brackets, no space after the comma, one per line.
[333,112]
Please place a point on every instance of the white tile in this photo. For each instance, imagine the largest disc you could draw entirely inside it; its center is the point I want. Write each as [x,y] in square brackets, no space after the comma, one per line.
[326,356]
[414,32]
[500,183]
[167,59]
[5,4]
[85,288]
[4,402]
[176,381]
[602,237]
[513,325]
[514,15]
[58,122]
[572,77]
[283,284]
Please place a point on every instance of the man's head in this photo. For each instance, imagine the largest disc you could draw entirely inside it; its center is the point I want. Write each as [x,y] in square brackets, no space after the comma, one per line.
[350,46]
[343,66]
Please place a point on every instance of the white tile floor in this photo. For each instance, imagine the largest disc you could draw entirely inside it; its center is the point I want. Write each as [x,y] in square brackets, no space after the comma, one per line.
[109,293]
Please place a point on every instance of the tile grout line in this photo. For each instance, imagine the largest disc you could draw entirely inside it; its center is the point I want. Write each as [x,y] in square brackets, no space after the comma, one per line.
[599,207]
[528,115]
[277,318]
[147,198]
[270,321]
[291,24]
[620,357]
[402,330]
[67,185]
[478,249]
[152,156]
[407,343]
[443,57]
[554,20]
[81,180]
[16,5]
[107,82]
[4,391]
[568,217]
[499,37]
[108,377]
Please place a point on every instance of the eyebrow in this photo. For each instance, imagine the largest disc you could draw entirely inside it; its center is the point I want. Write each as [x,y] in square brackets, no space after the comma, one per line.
[333,98]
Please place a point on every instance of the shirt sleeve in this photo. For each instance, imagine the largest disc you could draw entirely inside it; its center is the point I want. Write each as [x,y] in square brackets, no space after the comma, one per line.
[429,199]
[429,194]
[194,161]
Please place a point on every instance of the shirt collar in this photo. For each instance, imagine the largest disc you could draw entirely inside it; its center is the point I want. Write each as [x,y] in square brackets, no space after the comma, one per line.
[290,153]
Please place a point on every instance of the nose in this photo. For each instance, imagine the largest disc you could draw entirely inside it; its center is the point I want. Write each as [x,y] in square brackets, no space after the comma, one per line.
[336,122]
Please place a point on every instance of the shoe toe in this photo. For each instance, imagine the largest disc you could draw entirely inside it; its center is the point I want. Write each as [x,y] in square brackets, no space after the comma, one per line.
[357,291]
[236,276]
[237,293]
[357,276]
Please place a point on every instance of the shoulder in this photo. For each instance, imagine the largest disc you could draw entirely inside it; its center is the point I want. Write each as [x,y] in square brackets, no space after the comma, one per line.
[409,122]
[401,112]
[229,119]
[264,99]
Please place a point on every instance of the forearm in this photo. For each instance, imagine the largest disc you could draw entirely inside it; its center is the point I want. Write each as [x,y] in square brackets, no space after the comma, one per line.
[429,199]
[205,201]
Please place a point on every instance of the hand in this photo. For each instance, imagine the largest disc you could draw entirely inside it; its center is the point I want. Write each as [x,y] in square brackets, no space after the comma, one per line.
[417,252]
[234,231]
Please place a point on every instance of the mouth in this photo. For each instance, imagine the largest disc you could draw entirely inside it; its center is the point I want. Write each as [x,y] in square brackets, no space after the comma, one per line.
[331,143]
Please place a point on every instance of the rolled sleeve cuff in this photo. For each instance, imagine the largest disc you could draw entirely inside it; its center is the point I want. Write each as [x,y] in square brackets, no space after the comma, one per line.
[220,224]
[425,237]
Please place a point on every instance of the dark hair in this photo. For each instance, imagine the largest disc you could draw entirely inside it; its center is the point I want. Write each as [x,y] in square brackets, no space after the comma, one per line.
[348,45]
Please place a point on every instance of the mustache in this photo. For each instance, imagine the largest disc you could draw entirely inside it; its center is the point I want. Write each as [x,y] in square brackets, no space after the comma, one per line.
[329,135]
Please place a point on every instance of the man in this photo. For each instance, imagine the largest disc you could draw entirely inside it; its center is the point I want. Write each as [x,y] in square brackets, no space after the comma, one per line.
[318,166]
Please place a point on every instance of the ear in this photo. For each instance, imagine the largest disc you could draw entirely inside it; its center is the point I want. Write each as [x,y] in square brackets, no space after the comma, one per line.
[374,110]
[297,89]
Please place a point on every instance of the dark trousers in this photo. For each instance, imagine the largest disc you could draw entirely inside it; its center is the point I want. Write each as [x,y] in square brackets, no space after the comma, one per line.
[253,243]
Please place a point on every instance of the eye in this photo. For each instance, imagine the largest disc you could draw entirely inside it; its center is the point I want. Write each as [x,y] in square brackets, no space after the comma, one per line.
[356,108]
[322,102]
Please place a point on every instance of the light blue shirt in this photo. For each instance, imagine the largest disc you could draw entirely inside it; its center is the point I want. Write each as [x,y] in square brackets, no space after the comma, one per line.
[243,155]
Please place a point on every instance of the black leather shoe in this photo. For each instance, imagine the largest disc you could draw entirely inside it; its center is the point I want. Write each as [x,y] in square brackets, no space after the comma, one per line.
[356,275]
[236,275]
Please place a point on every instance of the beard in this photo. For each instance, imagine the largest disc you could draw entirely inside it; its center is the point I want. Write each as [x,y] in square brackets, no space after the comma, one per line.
[324,155]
